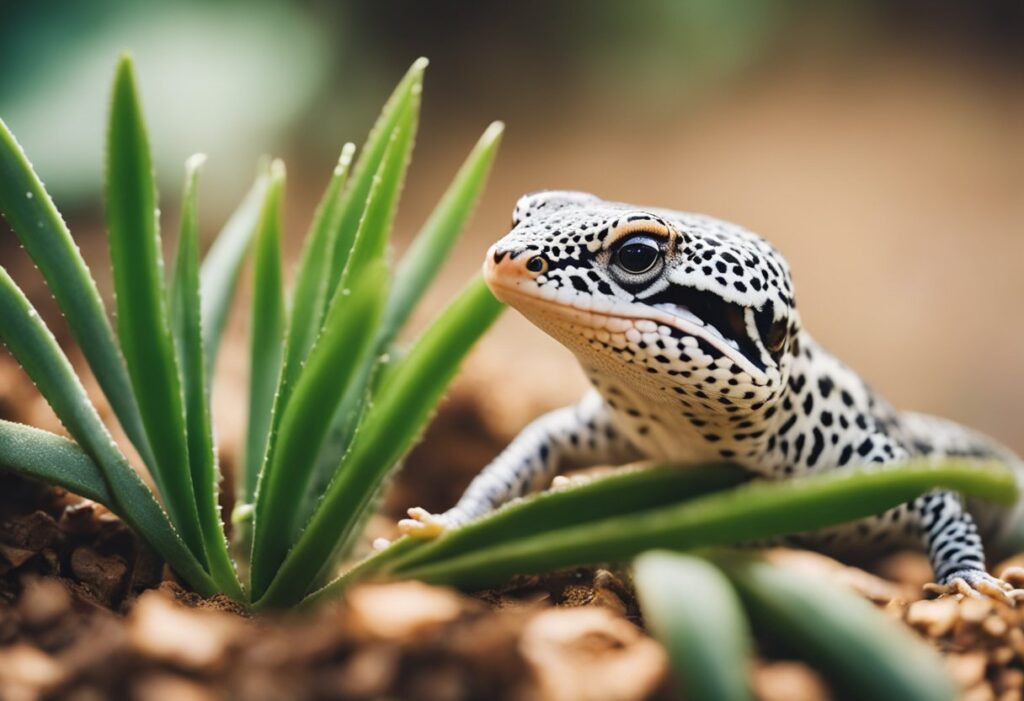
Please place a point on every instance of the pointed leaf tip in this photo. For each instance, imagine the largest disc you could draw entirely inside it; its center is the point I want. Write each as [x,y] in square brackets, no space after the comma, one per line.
[493,132]
[194,162]
[348,151]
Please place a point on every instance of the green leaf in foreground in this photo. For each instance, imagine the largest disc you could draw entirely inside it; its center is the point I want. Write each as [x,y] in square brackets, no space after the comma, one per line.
[187,328]
[423,260]
[53,459]
[36,350]
[393,423]
[309,297]
[222,265]
[142,317]
[266,343]
[367,165]
[30,211]
[751,512]
[691,607]
[343,347]
[627,490]
[865,653]
[369,249]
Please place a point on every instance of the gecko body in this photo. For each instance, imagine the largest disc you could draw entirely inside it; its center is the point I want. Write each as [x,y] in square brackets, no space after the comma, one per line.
[687,328]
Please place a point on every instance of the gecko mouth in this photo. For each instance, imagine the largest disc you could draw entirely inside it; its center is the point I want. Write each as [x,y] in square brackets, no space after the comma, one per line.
[685,311]
[725,319]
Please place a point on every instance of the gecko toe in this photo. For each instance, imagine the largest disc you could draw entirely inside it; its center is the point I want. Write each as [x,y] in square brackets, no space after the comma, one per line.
[976,584]
[422,524]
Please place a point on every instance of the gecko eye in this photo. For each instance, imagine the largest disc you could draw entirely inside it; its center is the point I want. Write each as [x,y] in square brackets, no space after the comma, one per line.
[537,264]
[637,255]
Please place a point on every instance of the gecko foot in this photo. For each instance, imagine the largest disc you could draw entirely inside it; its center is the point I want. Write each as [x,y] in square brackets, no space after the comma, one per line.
[977,584]
[423,524]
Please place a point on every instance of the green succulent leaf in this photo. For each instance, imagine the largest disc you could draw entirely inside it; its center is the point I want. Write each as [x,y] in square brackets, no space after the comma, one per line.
[53,459]
[223,264]
[429,250]
[187,328]
[267,339]
[142,316]
[868,655]
[750,512]
[32,214]
[690,606]
[628,490]
[406,93]
[343,347]
[368,249]
[309,298]
[391,425]
[36,350]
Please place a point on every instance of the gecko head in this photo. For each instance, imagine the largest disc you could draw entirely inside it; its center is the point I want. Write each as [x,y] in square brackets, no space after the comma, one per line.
[666,301]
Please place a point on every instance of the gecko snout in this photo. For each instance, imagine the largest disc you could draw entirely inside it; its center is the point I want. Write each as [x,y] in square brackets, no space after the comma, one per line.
[506,265]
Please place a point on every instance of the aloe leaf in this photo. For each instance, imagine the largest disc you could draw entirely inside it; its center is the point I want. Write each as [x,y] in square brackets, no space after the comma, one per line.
[343,347]
[374,230]
[751,512]
[142,317]
[418,267]
[310,290]
[222,265]
[406,92]
[423,260]
[625,491]
[30,211]
[52,459]
[36,350]
[187,327]
[866,654]
[370,245]
[267,335]
[691,607]
[400,410]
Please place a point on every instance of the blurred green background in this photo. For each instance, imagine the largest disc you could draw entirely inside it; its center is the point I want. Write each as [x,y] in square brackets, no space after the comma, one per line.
[880,145]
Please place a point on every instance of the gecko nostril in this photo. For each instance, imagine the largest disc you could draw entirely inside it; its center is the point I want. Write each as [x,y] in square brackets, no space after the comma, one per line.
[499,255]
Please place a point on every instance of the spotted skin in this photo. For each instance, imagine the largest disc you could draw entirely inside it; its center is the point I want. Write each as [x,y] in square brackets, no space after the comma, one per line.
[702,356]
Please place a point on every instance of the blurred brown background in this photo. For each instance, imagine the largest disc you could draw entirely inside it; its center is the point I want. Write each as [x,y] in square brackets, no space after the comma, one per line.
[879,145]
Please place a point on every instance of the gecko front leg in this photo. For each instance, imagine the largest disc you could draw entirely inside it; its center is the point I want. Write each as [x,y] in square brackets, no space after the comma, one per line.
[955,549]
[576,436]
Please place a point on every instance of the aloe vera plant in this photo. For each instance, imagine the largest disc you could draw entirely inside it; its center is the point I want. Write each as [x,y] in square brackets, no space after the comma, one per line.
[333,405]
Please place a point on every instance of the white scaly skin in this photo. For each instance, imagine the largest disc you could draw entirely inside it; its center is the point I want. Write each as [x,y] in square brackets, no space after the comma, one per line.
[688,331]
